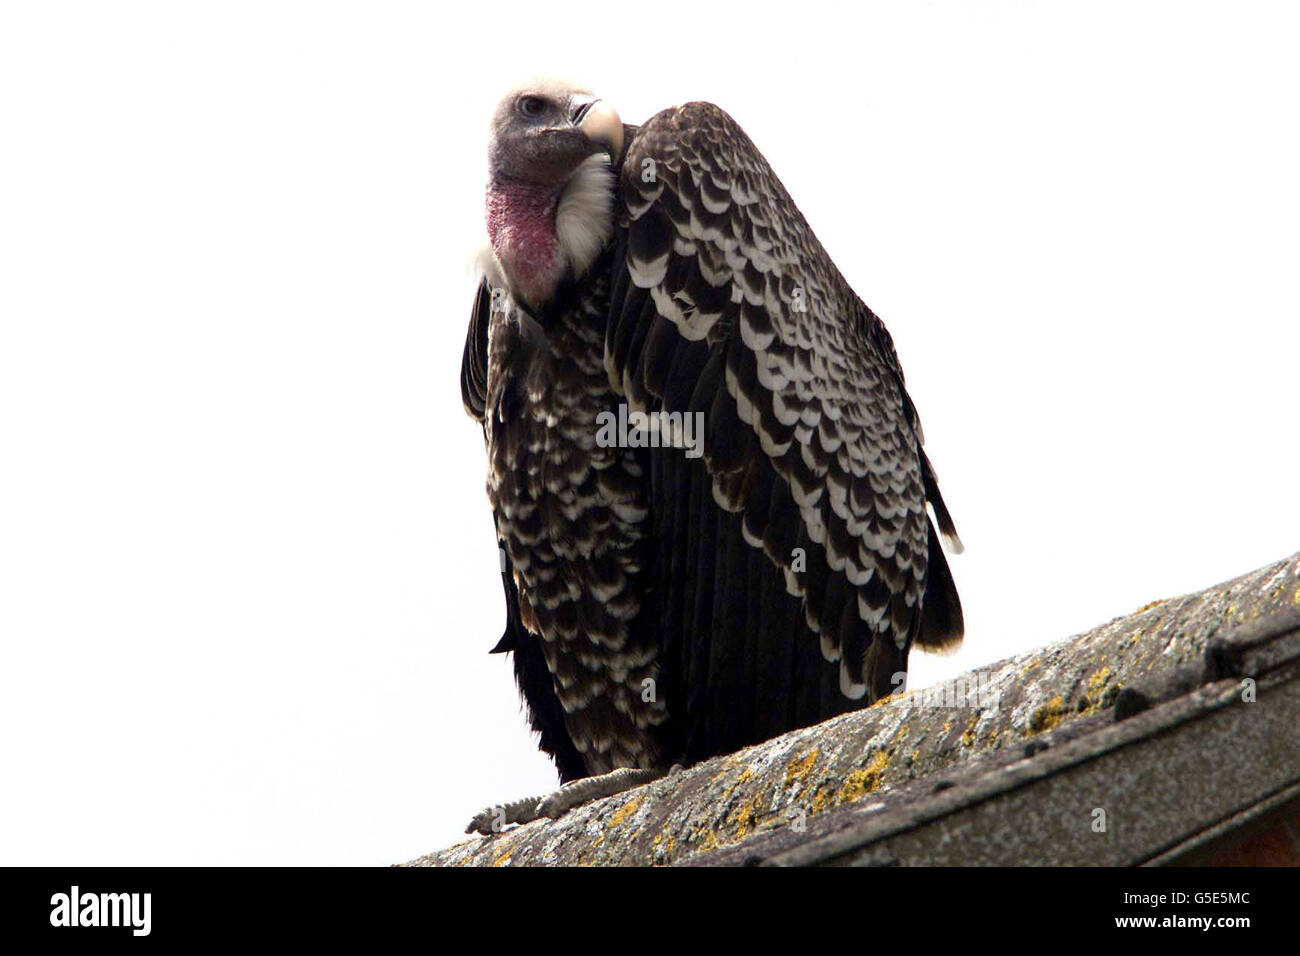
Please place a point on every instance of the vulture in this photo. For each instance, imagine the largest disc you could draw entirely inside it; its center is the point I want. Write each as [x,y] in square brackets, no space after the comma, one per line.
[706,474]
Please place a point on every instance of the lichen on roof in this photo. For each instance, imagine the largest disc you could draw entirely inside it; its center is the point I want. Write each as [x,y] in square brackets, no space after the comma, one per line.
[909,744]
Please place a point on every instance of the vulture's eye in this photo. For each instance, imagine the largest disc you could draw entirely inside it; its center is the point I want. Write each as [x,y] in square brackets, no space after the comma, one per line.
[532,106]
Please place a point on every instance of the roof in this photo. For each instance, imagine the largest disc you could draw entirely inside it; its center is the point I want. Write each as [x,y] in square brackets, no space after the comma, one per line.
[1160,737]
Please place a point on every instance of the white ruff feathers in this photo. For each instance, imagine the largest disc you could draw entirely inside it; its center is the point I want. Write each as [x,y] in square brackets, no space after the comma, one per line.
[584,220]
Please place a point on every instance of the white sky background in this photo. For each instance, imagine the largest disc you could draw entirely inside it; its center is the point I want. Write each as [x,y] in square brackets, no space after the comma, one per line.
[247,572]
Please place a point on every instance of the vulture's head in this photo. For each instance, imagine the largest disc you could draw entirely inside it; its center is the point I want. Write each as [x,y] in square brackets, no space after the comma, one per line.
[550,189]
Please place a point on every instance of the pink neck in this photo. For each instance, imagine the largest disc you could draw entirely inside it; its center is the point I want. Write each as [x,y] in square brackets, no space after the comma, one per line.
[521,227]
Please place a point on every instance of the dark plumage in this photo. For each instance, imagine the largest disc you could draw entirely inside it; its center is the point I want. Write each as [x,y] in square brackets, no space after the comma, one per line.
[665,606]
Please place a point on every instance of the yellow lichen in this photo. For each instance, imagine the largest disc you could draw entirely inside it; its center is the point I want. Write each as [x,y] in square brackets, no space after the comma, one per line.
[1147,607]
[864,780]
[822,800]
[799,770]
[743,817]
[1296,599]
[709,841]
[625,811]
[1097,681]
[504,858]
[1047,716]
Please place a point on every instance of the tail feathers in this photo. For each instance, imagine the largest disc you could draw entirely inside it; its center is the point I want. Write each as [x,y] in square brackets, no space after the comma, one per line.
[942,625]
[946,526]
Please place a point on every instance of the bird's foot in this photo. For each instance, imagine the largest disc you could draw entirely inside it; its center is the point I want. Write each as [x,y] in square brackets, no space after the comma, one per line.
[497,818]
[572,794]
[578,792]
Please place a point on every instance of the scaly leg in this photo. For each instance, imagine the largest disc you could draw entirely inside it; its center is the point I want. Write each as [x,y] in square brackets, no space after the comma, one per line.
[572,794]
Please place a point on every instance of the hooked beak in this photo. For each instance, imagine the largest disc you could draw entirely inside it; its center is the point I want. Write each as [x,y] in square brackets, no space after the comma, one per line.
[600,123]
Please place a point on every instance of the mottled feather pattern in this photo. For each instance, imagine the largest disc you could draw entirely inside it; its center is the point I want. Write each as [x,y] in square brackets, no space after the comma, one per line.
[571,516]
[726,583]
[809,372]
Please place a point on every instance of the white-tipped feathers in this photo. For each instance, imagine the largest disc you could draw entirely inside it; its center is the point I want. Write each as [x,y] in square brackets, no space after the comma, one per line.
[779,579]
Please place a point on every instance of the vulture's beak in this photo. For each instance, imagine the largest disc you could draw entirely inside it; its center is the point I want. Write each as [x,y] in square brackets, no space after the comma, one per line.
[600,123]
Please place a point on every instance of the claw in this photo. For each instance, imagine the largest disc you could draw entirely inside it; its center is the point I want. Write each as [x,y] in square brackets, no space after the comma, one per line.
[495,819]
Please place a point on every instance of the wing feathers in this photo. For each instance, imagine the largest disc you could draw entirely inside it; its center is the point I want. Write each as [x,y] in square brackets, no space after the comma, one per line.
[801,537]
[473,365]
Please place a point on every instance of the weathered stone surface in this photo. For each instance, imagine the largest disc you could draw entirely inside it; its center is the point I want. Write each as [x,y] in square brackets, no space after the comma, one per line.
[903,745]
